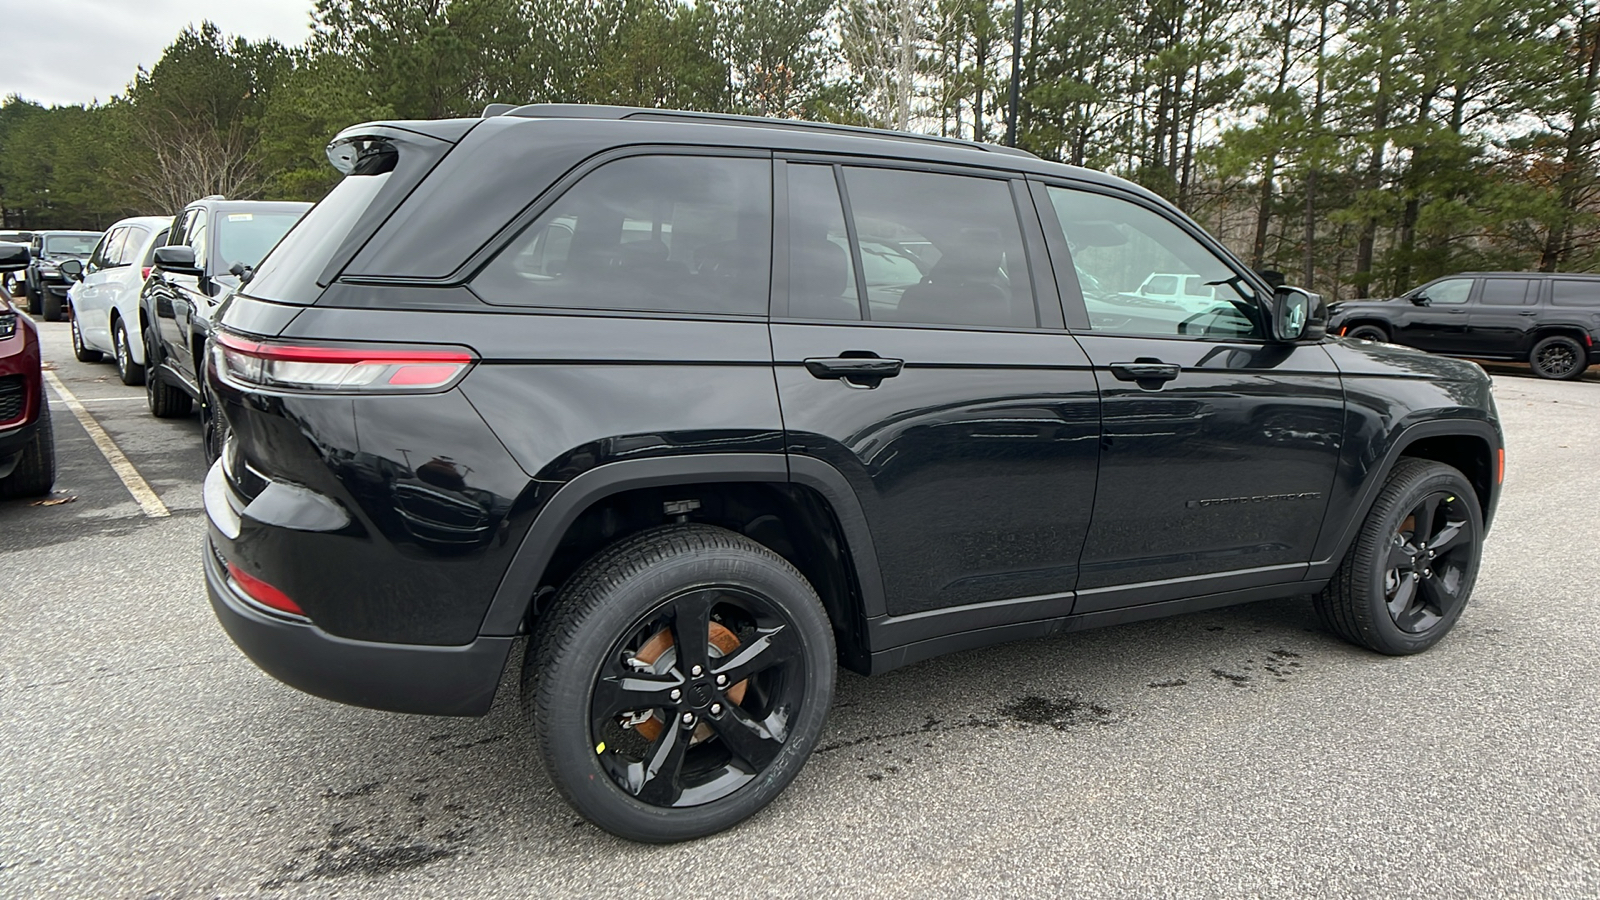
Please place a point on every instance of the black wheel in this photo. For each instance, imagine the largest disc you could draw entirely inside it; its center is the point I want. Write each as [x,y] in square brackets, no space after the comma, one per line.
[1369,333]
[1410,571]
[213,428]
[35,472]
[679,682]
[31,295]
[79,351]
[130,372]
[52,305]
[1558,357]
[165,400]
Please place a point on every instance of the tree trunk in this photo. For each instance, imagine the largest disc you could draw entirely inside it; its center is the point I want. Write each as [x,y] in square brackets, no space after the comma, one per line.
[1558,243]
[1374,175]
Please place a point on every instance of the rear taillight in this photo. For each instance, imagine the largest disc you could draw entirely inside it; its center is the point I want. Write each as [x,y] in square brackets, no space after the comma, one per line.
[343,368]
[263,593]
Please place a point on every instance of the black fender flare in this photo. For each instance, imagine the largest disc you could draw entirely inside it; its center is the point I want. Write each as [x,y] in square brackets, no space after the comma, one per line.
[509,607]
[1331,549]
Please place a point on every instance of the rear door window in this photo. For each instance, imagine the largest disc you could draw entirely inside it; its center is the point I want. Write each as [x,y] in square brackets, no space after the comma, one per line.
[108,250]
[940,249]
[128,250]
[685,234]
[1572,292]
[822,279]
[1504,291]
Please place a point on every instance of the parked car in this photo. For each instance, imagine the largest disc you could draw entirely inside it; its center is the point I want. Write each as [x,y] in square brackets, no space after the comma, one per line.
[46,285]
[699,469]
[105,298]
[27,443]
[10,284]
[214,245]
[1175,287]
[1549,320]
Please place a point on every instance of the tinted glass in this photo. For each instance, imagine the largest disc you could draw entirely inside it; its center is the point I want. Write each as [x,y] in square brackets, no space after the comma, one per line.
[198,236]
[246,237]
[1571,292]
[653,233]
[109,249]
[822,281]
[1120,249]
[128,250]
[290,272]
[1448,293]
[71,244]
[1504,291]
[150,254]
[944,249]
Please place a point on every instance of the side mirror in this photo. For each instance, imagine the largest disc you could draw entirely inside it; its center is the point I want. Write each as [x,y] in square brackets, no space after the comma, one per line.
[1299,315]
[72,268]
[1419,299]
[177,259]
[14,257]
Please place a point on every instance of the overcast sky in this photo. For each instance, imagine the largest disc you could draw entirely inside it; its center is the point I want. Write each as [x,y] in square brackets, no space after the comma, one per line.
[74,51]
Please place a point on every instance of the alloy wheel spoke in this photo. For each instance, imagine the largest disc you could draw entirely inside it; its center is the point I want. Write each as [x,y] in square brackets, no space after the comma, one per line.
[752,741]
[1436,591]
[1403,595]
[1423,516]
[661,782]
[774,647]
[615,694]
[1402,556]
[691,626]
[1452,535]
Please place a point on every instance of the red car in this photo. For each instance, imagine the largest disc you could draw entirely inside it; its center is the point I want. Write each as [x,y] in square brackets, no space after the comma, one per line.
[27,445]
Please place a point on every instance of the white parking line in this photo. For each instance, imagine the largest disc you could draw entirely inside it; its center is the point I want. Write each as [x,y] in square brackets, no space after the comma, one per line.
[131,479]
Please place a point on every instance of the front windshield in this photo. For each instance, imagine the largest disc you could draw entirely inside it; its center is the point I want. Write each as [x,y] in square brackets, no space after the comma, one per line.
[71,244]
[246,237]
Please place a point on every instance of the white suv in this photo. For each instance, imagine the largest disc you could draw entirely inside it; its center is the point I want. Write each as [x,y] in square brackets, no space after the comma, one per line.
[105,299]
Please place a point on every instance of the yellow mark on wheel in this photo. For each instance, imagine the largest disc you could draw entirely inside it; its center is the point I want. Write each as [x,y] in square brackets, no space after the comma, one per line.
[131,479]
[599,748]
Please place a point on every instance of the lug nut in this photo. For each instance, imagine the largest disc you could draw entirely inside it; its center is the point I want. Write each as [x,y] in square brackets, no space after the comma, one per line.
[676,694]
[716,709]
[1427,573]
[722,680]
[688,720]
[695,671]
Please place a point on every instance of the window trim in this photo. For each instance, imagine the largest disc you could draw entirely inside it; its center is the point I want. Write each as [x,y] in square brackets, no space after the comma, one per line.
[1530,292]
[502,239]
[1077,315]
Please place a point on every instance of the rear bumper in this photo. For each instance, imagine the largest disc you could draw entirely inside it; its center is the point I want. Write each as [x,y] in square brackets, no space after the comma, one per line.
[409,678]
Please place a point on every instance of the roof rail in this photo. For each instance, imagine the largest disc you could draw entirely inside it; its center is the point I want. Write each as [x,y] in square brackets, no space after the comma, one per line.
[598,111]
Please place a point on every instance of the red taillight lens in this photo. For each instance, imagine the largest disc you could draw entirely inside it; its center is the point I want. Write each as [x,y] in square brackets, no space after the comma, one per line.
[144,273]
[345,369]
[263,593]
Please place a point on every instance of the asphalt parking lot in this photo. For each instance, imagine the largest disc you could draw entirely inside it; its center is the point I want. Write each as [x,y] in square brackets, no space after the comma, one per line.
[1238,753]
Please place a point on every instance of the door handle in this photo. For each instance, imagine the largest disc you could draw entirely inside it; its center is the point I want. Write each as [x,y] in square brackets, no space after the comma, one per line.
[1530,313]
[1148,374]
[855,371]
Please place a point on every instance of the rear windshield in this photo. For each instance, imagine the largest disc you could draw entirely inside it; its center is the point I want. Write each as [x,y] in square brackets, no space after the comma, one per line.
[76,244]
[245,237]
[290,274]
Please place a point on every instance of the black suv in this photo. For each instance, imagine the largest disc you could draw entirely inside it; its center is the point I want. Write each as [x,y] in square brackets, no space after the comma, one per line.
[213,247]
[45,284]
[1551,321]
[706,406]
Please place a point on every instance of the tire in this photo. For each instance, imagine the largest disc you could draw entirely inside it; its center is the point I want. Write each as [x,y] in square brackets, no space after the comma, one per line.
[166,401]
[213,429]
[31,295]
[52,305]
[35,473]
[1394,593]
[625,603]
[1369,333]
[131,373]
[1559,358]
[79,351]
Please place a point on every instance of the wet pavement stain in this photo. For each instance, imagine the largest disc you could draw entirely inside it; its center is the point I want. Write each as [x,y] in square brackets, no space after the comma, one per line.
[1059,713]
[1235,679]
[1173,682]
